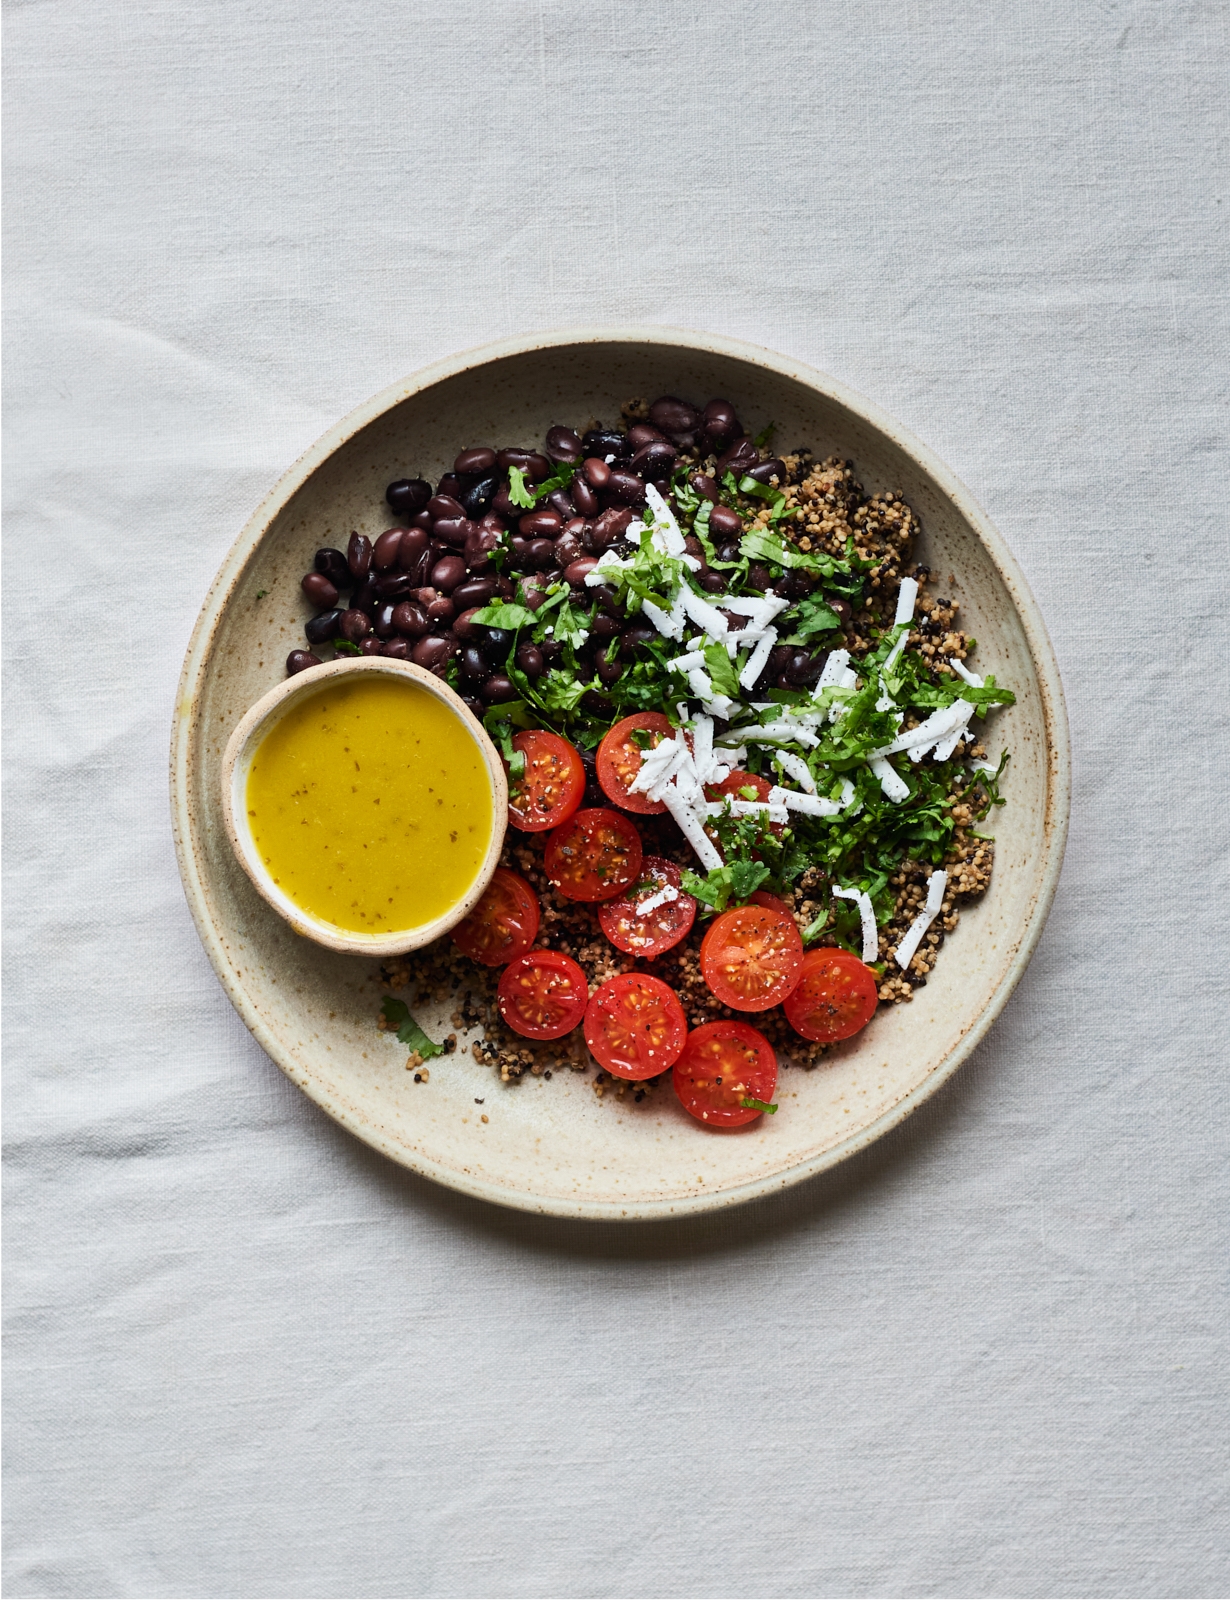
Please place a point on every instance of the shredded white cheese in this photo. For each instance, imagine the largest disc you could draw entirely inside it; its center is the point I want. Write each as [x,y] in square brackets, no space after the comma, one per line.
[908,947]
[692,829]
[758,659]
[866,911]
[906,596]
[797,769]
[930,732]
[812,805]
[655,902]
[830,677]
[962,671]
[892,783]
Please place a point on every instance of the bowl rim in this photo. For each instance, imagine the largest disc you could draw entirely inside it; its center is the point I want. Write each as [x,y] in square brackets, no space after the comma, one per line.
[260,720]
[1054,714]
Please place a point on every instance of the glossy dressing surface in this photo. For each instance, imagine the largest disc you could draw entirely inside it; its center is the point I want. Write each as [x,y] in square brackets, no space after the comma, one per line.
[370,805]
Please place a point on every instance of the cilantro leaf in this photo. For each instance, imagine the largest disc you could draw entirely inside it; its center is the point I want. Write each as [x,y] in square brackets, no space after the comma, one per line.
[346,647]
[757,1105]
[816,616]
[505,614]
[397,1015]
[518,493]
[721,670]
[713,890]
[746,877]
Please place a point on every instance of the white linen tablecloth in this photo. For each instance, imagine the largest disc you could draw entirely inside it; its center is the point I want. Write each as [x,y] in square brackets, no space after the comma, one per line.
[247,1357]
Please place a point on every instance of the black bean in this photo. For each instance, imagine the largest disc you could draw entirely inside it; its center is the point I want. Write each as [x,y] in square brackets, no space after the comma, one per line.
[603,442]
[721,423]
[332,563]
[465,627]
[725,524]
[843,609]
[497,644]
[639,635]
[562,502]
[475,664]
[499,687]
[764,470]
[444,505]
[529,659]
[576,572]
[604,627]
[419,571]
[728,552]
[540,523]
[479,546]
[705,486]
[502,506]
[626,487]
[520,547]
[654,460]
[386,549]
[411,618]
[372,645]
[535,467]
[319,630]
[759,576]
[569,548]
[540,554]
[611,527]
[433,651]
[563,444]
[473,592]
[674,416]
[535,588]
[450,485]
[478,497]
[442,609]
[607,596]
[448,573]
[597,474]
[395,586]
[453,530]
[422,519]
[413,542]
[741,455]
[367,593]
[353,625]
[600,704]
[605,661]
[696,550]
[407,496]
[795,585]
[359,555]
[476,462]
[396,649]
[583,497]
[322,594]
[382,622]
[300,661]
[640,434]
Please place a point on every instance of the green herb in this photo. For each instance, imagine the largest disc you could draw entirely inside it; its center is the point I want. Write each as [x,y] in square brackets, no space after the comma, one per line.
[815,615]
[813,930]
[518,493]
[713,890]
[746,877]
[397,1015]
[505,614]
[345,647]
[765,434]
[570,625]
[559,479]
[757,1105]
[721,670]
[261,593]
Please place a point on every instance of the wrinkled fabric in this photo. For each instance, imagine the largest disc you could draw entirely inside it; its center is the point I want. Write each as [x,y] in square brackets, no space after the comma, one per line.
[248,1357]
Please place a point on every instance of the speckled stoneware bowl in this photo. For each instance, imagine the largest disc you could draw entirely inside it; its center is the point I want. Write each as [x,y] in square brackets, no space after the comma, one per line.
[237,762]
[553,1145]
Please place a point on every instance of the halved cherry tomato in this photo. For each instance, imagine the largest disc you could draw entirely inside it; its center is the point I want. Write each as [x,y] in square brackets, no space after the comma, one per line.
[751,957]
[736,786]
[504,923]
[762,897]
[834,998]
[724,1063]
[619,760]
[550,788]
[647,936]
[594,856]
[635,1026]
[542,995]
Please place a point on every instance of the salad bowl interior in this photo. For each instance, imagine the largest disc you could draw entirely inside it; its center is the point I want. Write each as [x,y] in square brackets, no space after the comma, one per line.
[553,1145]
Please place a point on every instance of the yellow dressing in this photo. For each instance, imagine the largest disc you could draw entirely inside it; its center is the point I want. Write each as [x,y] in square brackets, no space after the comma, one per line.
[370,805]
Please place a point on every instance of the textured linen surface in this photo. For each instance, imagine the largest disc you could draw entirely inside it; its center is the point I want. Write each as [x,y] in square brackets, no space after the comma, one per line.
[248,1357]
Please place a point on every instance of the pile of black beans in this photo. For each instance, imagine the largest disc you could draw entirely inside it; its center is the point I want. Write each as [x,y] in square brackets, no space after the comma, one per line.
[413,592]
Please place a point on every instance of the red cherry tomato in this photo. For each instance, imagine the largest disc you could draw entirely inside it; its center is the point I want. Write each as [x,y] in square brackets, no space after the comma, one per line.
[762,897]
[635,1026]
[594,856]
[751,957]
[504,923]
[648,936]
[735,786]
[724,1063]
[619,760]
[834,998]
[550,788]
[542,995]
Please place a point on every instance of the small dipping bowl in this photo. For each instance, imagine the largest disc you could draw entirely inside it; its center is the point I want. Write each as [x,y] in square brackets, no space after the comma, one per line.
[262,721]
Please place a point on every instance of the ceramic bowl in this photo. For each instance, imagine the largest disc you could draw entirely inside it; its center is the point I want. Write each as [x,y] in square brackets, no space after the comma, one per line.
[556,1146]
[237,761]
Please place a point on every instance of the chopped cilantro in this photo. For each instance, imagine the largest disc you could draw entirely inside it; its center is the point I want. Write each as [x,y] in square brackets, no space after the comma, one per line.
[757,1105]
[518,493]
[397,1016]
[345,647]
[505,614]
